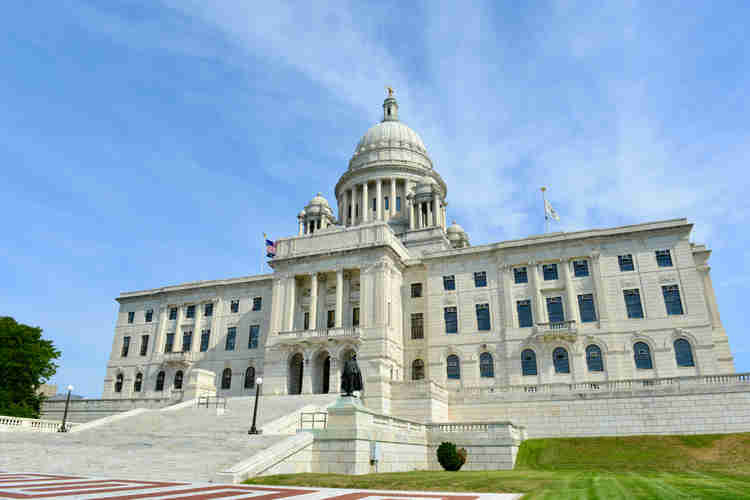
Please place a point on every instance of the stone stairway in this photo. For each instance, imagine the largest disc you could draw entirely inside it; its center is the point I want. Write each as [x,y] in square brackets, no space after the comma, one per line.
[188,444]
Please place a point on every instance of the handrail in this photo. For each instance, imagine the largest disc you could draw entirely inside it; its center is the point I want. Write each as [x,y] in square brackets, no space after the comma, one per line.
[21,424]
[312,418]
[216,401]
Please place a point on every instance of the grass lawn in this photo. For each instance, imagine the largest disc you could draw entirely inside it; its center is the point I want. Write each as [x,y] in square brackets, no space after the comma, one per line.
[637,467]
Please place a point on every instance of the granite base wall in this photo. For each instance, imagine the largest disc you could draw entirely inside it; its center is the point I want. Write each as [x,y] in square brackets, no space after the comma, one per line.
[86,410]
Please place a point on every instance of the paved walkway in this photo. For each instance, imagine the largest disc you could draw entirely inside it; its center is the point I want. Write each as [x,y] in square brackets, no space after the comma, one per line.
[32,485]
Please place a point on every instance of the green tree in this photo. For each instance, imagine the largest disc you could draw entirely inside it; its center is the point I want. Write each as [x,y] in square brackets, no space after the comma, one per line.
[25,364]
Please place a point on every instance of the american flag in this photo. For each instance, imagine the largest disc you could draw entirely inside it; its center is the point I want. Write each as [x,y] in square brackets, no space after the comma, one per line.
[270,248]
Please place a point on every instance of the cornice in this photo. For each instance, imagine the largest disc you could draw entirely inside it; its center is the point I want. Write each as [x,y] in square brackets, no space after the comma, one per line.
[194,285]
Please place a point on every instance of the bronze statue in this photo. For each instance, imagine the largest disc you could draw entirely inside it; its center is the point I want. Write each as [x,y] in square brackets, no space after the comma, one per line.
[351,378]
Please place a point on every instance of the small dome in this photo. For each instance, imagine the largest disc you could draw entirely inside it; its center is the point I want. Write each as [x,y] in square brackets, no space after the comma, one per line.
[455,229]
[319,200]
[302,213]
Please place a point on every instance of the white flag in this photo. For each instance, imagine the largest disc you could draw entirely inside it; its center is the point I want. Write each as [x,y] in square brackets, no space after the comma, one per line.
[549,211]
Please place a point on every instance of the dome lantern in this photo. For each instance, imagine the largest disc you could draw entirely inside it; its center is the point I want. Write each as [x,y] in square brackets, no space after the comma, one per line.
[390,107]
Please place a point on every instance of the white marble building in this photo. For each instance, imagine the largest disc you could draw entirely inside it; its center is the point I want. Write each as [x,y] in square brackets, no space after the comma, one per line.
[386,277]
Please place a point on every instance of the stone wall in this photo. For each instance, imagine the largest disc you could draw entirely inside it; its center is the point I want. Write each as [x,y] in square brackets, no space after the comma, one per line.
[86,410]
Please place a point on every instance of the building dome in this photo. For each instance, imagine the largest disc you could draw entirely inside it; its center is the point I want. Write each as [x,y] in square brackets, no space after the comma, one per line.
[455,229]
[318,200]
[390,134]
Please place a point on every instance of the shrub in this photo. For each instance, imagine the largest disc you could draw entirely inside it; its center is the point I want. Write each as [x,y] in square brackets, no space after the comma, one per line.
[449,457]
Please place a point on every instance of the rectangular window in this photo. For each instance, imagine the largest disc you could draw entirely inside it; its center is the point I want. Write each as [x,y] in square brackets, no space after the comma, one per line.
[633,303]
[252,341]
[231,338]
[257,303]
[672,299]
[374,204]
[125,346]
[416,290]
[483,317]
[549,271]
[480,279]
[131,316]
[580,268]
[187,341]
[398,203]
[169,345]
[355,316]
[172,313]
[626,262]
[520,274]
[205,337]
[555,309]
[234,306]
[208,309]
[451,320]
[449,282]
[664,258]
[144,345]
[524,314]
[350,211]
[331,319]
[387,207]
[587,308]
[306,321]
[356,210]
[190,313]
[417,326]
[149,315]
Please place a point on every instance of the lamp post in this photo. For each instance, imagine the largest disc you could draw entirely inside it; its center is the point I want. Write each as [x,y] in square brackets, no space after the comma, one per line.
[65,415]
[258,383]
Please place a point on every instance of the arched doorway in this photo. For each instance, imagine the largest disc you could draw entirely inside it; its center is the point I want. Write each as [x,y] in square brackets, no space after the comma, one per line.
[327,375]
[296,365]
[321,374]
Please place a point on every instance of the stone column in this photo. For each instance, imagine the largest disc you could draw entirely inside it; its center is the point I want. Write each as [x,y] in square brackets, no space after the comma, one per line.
[444,216]
[365,199]
[506,270]
[393,197]
[435,210]
[411,213]
[348,207]
[379,199]
[301,226]
[277,295]
[334,380]
[313,324]
[340,203]
[307,376]
[323,221]
[177,327]
[364,297]
[158,342]
[600,294]
[339,297]
[291,296]
[537,305]
[570,293]
[420,216]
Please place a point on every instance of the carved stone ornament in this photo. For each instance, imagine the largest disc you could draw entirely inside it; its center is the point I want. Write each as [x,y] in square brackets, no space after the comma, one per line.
[550,338]
[628,283]
[667,278]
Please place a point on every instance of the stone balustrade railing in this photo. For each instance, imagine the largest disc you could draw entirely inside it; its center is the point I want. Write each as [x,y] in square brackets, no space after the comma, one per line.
[19,424]
[349,331]
[179,357]
[630,385]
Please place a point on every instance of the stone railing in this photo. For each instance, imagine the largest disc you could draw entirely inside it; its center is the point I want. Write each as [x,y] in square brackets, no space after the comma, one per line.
[670,383]
[349,331]
[554,328]
[179,357]
[19,424]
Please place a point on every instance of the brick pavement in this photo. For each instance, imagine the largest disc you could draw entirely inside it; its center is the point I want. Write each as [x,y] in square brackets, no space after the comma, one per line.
[15,485]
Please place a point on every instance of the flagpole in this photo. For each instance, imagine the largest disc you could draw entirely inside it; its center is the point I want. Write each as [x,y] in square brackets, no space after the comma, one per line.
[544,205]
[262,254]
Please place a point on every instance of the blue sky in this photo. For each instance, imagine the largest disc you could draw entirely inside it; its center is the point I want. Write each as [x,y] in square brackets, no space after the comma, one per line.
[152,143]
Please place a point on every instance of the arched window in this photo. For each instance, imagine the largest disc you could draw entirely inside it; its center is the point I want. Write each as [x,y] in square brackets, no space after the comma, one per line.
[178,380]
[594,358]
[560,360]
[486,365]
[454,367]
[160,381]
[528,362]
[417,369]
[682,353]
[642,355]
[118,383]
[138,383]
[226,378]
[250,378]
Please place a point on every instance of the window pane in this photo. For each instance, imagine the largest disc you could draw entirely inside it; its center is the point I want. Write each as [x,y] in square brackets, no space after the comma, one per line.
[187,341]
[642,355]
[633,303]
[580,268]
[486,366]
[483,316]
[449,282]
[560,359]
[586,307]
[417,326]
[549,271]
[231,338]
[125,346]
[190,312]
[149,315]
[683,353]
[173,313]
[205,336]
[398,203]
[131,316]
[417,369]
[234,306]
[250,378]
[555,309]
[252,342]
[257,303]
[528,362]
[451,320]
[626,262]
[524,313]
[594,358]
[226,379]
[416,289]
[454,368]
[664,258]
[331,319]
[480,279]
[208,309]
[170,343]
[144,345]
[672,299]
[521,275]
